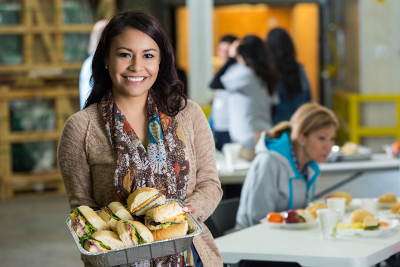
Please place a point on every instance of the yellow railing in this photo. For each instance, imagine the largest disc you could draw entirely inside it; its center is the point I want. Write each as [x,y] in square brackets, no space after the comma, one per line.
[347,107]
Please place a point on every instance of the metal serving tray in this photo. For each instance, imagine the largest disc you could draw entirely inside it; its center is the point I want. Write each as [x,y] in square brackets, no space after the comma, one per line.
[144,251]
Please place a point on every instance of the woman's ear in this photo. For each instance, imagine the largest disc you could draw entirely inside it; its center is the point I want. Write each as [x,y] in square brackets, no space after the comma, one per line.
[301,140]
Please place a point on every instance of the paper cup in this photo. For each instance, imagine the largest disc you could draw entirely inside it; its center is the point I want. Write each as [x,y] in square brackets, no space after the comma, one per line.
[338,204]
[369,204]
[231,152]
[327,219]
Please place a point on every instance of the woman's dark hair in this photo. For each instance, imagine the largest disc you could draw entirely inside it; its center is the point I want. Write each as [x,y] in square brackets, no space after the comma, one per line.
[168,89]
[281,48]
[253,52]
[228,38]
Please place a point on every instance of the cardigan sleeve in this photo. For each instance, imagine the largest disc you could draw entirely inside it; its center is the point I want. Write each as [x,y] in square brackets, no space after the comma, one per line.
[207,192]
[73,161]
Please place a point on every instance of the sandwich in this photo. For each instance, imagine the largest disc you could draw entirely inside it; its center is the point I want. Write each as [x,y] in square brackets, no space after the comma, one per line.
[371,223]
[313,209]
[387,198]
[173,231]
[395,208]
[114,213]
[133,233]
[143,199]
[346,195]
[85,221]
[101,241]
[357,216]
[164,216]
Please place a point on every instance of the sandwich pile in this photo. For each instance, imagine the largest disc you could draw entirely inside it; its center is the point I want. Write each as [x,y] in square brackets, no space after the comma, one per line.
[146,219]
[395,208]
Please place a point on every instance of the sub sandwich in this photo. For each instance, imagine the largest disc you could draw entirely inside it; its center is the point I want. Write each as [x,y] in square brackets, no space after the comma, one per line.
[101,241]
[85,221]
[133,233]
[143,199]
[114,213]
[164,216]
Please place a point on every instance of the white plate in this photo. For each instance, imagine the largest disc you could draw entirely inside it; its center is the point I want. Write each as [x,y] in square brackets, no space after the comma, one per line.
[294,226]
[389,215]
[384,205]
[369,233]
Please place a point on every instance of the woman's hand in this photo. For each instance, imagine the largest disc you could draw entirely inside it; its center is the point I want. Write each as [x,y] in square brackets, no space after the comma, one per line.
[233,49]
[189,208]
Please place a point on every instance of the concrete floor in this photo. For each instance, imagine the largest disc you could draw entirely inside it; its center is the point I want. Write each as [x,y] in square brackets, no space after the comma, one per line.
[34,233]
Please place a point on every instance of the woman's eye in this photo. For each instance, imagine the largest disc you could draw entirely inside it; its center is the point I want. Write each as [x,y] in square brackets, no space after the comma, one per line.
[148,56]
[321,138]
[124,55]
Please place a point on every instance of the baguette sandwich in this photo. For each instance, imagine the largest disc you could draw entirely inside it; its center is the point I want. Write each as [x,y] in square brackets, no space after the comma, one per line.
[173,231]
[101,241]
[371,223]
[143,199]
[164,216]
[114,213]
[85,221]
[133,233]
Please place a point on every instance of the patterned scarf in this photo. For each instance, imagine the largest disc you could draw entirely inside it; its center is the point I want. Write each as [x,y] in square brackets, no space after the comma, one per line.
[164,165]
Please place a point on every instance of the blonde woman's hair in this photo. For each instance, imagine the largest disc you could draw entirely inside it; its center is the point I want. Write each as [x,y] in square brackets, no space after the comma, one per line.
[308,118]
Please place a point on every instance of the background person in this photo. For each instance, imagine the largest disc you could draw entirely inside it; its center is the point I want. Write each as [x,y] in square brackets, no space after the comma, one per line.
[251,83]
[139,130]
[293,88]
[283,175]
[86,71]
[220,108]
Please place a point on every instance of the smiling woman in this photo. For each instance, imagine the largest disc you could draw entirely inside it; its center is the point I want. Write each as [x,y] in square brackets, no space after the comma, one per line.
[139,130]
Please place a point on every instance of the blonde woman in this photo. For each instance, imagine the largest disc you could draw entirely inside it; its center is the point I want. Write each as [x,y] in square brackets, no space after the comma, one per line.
[284,172]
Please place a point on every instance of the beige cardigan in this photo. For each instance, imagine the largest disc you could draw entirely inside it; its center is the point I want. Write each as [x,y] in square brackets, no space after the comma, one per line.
[87,163]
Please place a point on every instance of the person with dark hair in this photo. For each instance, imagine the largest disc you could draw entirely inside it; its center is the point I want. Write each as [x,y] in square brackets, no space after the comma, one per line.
[139,130]
[220,108]
[251,83]
[293,88]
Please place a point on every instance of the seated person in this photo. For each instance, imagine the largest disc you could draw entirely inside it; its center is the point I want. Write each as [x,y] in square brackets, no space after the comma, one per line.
[284,172]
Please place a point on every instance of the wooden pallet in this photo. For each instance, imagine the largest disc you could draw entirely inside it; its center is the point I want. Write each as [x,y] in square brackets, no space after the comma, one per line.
[11,182]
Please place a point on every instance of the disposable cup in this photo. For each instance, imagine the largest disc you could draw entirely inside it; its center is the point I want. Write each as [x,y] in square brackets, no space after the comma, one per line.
[231,152]
[327,219]
[369,204]
[338,204]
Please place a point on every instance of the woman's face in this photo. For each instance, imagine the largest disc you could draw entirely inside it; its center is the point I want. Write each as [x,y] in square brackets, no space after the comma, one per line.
[133,63]
[317,145]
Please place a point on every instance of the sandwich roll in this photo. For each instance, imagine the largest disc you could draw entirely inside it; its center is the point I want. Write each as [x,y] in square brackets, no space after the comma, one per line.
[371,223]
[387,198]
[346,195]
[120,211]
[359,215]
[101,241]
[133,233]
[84,221]
[305,214]
[395,208]
[107,216]
[164,216]
[173,231]
[143,199]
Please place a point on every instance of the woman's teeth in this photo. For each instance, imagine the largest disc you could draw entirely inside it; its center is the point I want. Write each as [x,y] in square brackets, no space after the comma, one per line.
[139,79]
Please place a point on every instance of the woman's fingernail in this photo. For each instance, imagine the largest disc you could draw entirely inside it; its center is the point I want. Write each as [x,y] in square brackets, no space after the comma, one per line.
[185,209]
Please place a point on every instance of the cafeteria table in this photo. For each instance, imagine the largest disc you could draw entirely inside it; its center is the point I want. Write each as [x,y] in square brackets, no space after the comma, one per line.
[306,247]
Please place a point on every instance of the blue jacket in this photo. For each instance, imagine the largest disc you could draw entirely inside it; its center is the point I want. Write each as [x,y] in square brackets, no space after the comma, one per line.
[273,183]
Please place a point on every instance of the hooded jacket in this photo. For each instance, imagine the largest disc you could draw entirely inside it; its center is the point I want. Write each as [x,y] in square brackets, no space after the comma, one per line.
[273,183]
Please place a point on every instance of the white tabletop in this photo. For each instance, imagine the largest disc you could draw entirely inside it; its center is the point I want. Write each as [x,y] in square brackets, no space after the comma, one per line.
[306,247]
[378,162]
